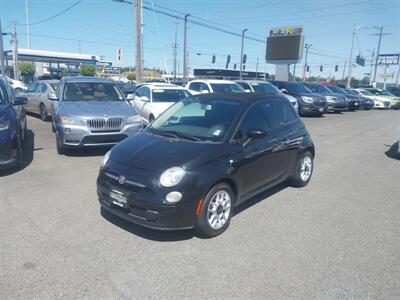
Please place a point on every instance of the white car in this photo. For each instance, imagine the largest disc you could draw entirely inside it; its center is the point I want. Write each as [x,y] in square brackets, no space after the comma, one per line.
[379,102]
[213,86]
[152,99]
[264,87]
[17,85]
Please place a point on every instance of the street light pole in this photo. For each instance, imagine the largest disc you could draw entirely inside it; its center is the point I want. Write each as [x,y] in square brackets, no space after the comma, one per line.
[138,11]
[372,65]
[185,49]
[241,54]
[351,57]
[15,51]
[307,46]
[380,34]
[28,32]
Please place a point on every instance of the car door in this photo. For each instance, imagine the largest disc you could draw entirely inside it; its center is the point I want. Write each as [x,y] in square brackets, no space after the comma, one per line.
[31,94]
[35,102]
[139,102]
[259,161]
[146,108]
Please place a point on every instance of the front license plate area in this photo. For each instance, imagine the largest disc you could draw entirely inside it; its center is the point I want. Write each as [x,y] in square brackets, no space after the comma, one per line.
[118,199]
[321,109]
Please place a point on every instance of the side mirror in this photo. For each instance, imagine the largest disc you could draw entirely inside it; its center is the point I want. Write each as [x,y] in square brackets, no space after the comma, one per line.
[254,134]
[204,91]
[247,91]
[284,91]
[130,97]
[52,97]
[144,98]
[20,100]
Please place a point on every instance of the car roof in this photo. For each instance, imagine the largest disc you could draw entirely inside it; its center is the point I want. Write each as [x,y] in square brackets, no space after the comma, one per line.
[87,79]
[244,97]
[49,80]
[159,85]
[213,81]
[253,81]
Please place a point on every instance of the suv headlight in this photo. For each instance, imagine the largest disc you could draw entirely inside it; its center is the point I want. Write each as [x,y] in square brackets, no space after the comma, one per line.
[4,124]
[133,119]
[172,176]
[331,99]
[67,120]
[307,99]
[105,159]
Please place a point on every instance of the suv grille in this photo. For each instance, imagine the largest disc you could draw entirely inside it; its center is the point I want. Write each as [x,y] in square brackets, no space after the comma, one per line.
[105,123]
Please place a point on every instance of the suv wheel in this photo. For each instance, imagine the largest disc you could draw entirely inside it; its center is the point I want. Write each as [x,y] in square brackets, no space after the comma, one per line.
[216,212]
[59,144]
[303,170]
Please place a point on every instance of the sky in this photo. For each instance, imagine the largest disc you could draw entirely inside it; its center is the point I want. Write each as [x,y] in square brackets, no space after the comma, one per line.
[100,27]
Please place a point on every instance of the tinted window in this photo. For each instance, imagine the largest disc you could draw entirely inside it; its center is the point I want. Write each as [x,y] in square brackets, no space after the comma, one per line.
[255,118]
[43,88]
[195,86]
[317,88]
[204,87]
[146,92]
[336,89]
[297,88]
[227,88]
[244,85]
[91,91]
[32,87]
[351,92]
[169,95]
[265,88]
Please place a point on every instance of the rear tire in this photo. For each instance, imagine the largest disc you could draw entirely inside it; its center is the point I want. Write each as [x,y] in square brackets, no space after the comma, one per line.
[43,113]
[303,170]
[60,145]
[216,211]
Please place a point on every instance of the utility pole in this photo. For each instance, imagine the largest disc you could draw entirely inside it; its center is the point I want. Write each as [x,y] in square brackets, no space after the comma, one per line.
[15,51]
[265,71]
[380,34]
[351,57]
[241,54]
[257,68]
[294,72]
[372,64]
[28,32]
[175,52]
[307,46]
[344,69]
[138,11]
[185,49]
[2,66]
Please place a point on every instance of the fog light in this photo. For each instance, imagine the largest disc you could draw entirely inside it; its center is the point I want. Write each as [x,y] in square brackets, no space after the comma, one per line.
[173,197]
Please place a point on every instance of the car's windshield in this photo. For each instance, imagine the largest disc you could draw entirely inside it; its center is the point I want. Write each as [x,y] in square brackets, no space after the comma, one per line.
[264,88]
[336,89]
[91,91]
[199,120]
[366,93]
[381,93]
[227,88]
[351,92]
[317,88]
[298,88]
[169,95]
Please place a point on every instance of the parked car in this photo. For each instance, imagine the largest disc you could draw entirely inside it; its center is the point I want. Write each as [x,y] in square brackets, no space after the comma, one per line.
[394,100]
[17,85]
[91,111]
[12,125]
[379,102]
[151,100]
[38,98]
[336,102]
[266,88]
[395,90]
[353,103]
[365,103]
[309,103]
[213,86]
[126,87]
[203,157]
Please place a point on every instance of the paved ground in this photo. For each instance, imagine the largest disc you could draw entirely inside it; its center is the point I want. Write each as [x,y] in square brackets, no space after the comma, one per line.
[338,238]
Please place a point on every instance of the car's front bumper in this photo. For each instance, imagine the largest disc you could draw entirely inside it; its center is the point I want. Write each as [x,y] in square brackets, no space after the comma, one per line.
[82,136]
[337,106]
[353,105]
[8,153]
[313,108]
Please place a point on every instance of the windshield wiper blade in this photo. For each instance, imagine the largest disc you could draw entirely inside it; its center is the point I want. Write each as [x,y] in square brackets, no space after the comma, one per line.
[182,135]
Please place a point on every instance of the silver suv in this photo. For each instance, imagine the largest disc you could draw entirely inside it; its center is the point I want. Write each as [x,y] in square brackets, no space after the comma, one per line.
[91,111]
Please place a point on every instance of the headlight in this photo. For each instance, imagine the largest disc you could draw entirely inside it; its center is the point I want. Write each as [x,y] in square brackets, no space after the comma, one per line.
[172,176]
[4,124]
[66,120]
[307,99]
[133,119]
[105,159]
[330,99]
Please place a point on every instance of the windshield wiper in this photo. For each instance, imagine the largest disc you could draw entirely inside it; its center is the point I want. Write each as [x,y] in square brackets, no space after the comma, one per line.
[182,135]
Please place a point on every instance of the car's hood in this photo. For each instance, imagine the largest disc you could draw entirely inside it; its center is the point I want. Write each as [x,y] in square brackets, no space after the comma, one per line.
[314,95]
[156,153]
[378,98]
[97,108]
[290,98]
[161,106]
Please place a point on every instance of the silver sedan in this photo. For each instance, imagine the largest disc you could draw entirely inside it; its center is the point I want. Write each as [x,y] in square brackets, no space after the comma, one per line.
[38,102]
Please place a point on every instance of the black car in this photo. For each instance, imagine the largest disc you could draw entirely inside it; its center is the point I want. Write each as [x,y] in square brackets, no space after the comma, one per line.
[309,103]
[12,125]
[365,102]
[336,102]
[203,157]
[353,102]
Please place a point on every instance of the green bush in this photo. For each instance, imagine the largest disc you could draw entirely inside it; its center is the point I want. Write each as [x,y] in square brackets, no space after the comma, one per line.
[27,69]
[131,76]
[88,70]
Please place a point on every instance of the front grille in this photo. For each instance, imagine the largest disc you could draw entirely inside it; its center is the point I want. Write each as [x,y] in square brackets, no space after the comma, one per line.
[105,123]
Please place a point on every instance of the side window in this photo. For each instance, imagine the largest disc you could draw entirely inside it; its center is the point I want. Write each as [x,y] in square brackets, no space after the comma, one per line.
[43,88]
[244,85]
[253,119]
[32,87]
[204,87]
[279,113]
[195,86]
[146,92]
[139,92]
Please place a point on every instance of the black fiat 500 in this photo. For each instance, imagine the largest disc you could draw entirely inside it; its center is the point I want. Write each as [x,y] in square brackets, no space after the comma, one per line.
[203,157]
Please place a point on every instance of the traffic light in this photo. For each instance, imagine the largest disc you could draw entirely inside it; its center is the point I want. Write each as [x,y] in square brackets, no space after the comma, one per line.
[244,58]
[308,68]
[360,60]
[321,68]
[213,59]
[228,60]
[336,68]
[244,67]
[234,66]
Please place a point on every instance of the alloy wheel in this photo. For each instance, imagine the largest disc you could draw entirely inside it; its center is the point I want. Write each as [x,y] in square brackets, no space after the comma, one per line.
[219,210]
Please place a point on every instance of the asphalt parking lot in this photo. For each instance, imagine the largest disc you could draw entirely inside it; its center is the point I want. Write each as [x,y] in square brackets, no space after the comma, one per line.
[338,238]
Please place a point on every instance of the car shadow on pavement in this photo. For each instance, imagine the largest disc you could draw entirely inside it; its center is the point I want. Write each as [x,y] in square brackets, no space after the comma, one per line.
[394,151]
[88,151]
[147,233]
[27,155]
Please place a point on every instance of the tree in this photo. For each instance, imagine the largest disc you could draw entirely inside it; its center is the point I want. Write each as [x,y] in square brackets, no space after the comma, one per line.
[88,70]
[27,70]
[131,76]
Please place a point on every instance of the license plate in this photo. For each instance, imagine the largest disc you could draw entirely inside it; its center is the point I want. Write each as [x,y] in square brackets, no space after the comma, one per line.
[321,109]
[118,199]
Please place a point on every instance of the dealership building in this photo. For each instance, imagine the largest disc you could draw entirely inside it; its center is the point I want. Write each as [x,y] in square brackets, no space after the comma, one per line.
[228,74]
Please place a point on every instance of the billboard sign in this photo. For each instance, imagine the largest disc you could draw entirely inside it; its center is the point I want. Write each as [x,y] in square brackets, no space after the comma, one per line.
[388,59]
[285,45]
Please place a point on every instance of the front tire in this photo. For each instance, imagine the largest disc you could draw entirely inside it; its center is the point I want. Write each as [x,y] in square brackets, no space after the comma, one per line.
[60,145]
[216,211]
[43,112]
[303,170]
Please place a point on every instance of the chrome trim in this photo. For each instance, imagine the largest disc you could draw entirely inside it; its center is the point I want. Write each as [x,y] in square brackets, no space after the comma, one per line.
[130,182]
